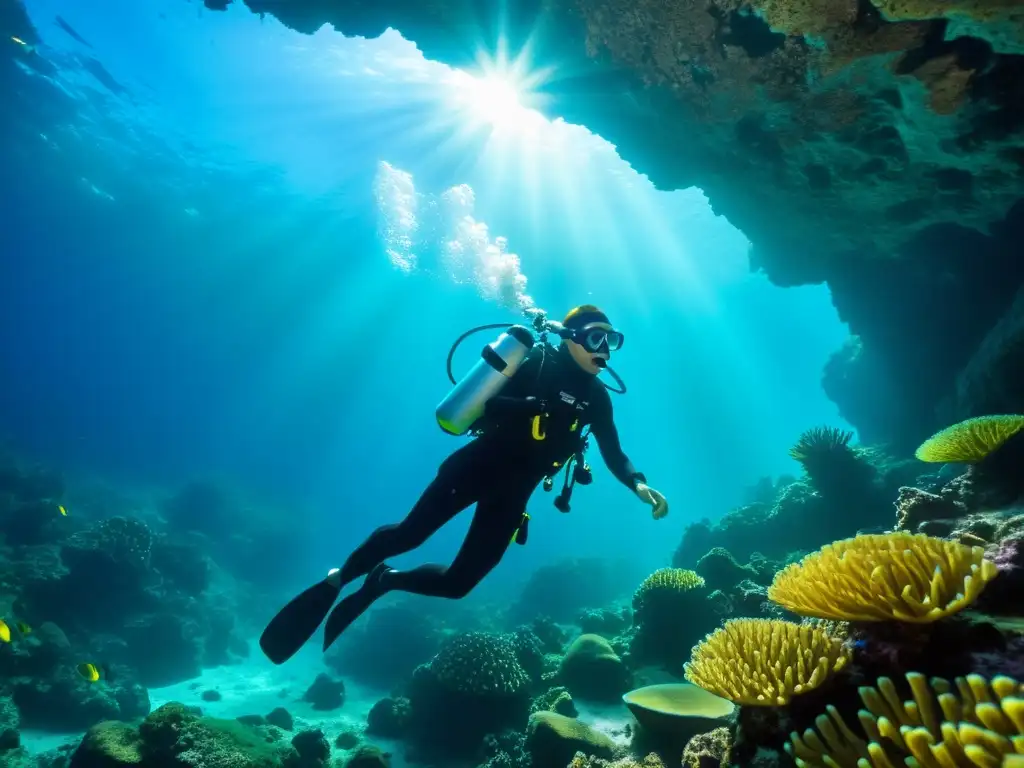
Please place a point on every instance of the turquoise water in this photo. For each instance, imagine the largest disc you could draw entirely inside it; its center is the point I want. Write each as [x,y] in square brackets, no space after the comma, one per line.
[197,282]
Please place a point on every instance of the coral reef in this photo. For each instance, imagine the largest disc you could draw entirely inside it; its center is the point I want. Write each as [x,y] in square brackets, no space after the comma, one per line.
[562,590]
[910,577]
[473,686]
[389,718]
[176,735]
[553,740]
[993,446]
[590,669]
[846,490]
[974,722]
[708,750]
[764,662]
[670,613]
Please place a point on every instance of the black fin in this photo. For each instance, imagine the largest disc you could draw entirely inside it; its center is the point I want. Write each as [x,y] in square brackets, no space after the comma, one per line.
[294,624]
[354,606]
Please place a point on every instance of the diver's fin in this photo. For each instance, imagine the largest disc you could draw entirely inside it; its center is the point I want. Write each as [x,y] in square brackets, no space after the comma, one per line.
[354,606]
[294,624]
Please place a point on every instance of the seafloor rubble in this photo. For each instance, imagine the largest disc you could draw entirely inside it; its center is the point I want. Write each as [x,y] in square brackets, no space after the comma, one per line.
[877,145]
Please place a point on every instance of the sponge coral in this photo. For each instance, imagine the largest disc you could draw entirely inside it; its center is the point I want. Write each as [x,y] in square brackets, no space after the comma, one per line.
[765,662]
[970,441]
[880,577]
[982,724]
[480,663]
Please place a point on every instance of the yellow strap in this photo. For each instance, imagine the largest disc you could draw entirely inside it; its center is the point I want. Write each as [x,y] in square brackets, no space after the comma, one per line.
[538,434]
[515,535]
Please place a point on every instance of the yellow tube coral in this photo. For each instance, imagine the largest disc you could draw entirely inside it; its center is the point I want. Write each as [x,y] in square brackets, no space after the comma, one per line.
[982,724]
[763,662]
[880,577]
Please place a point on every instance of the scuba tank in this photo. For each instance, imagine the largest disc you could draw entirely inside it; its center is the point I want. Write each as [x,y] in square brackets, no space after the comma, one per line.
[498,362]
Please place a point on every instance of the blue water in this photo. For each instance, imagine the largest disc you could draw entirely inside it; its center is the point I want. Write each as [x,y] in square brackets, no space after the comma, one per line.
[194,283]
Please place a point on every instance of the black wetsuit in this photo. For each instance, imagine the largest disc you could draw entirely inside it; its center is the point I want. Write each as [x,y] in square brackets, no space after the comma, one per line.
[499,471]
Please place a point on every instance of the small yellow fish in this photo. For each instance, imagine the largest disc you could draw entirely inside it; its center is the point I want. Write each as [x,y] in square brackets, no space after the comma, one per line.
[62,510]
[89,671]
[5,632]
[23,628]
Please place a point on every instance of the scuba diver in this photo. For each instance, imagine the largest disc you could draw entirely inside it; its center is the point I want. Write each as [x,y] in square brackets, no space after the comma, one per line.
[529,407]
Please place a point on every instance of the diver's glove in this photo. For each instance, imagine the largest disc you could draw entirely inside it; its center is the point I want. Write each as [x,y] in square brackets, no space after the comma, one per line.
[514,407]
[650,496]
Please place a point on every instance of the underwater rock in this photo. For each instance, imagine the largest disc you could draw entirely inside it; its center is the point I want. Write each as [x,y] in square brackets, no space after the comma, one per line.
[708,750]
[1005,593]
[389,718]
[592,670]
[178,735]
[721,571]
[800,126]
[63,701]
[10,722]
[551,636]
[109,745]
[280,717]
[607,622]
[182,564]
[312,748]
[325,693]
[369,756]
[990,381]
[915,506]
[163,647]
[557,700]
[348,740]
[552,740]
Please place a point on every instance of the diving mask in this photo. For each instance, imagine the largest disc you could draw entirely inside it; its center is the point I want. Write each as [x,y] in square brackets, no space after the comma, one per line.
[598,339]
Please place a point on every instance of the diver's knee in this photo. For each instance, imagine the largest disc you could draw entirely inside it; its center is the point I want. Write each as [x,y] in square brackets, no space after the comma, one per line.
[456,588]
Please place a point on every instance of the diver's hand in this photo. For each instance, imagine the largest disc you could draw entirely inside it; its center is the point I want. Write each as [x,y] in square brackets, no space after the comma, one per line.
[657,501]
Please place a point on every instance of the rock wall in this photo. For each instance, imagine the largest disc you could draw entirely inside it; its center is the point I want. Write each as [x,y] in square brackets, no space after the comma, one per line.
[876,145]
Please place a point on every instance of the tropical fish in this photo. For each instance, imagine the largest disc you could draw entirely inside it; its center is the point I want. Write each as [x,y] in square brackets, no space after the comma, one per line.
[23,628]
[89,671]
[5,632]
[62,510]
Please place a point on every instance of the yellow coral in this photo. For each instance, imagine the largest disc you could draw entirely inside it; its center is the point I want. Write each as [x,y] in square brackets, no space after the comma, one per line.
[880,577]
[764,662]
[982,724]
[970,441]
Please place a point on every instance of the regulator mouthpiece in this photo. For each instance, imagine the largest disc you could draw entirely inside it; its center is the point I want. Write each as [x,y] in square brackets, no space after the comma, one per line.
[600,362]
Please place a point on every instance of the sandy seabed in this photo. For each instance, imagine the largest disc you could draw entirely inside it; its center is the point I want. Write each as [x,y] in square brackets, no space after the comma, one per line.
[255,687]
